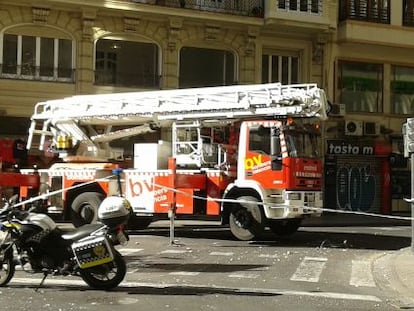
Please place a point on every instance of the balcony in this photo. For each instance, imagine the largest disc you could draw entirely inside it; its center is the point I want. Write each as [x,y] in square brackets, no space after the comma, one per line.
[374,11]
[376,22]
[253,8]
[304,16]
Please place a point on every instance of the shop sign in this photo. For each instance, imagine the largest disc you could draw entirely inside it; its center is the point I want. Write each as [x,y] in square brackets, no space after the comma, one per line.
[342,147]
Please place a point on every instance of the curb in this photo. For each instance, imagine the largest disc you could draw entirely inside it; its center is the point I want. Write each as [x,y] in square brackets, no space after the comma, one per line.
[393,277]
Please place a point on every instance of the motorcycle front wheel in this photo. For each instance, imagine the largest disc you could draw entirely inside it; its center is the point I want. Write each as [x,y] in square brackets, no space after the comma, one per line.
[106,276]
[7,268]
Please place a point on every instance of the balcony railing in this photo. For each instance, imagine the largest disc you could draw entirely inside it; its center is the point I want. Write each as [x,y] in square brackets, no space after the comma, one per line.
[376,11]
[305,6]
[126,79]
[252,8]
[36,73]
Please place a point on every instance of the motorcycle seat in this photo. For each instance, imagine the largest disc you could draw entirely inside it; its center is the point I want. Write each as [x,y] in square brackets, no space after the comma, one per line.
[82,232]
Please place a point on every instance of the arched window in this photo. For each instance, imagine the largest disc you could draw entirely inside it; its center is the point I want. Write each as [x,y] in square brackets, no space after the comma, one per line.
[126,63]
[36,57]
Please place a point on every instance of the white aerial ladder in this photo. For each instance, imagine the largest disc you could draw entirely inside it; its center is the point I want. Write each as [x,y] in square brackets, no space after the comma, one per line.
[73,120]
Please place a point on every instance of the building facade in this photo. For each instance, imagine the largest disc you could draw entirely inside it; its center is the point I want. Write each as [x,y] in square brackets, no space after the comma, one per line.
[359,51]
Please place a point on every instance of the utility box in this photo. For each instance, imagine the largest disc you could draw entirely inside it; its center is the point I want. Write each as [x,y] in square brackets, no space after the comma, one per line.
[152,156]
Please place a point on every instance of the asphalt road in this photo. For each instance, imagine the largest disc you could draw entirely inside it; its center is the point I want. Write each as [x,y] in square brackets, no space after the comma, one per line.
[206,269]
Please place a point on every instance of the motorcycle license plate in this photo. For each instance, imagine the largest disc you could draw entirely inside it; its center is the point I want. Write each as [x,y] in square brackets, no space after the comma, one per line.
[92,252]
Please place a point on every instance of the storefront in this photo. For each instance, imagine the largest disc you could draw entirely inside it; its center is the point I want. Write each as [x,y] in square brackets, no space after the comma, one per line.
[357,176]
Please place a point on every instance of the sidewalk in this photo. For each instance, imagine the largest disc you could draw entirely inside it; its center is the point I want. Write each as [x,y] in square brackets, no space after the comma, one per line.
[347,219]
[394,274]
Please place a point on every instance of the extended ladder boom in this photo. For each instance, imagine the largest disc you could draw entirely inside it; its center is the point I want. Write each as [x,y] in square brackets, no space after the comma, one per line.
[144,110]
[241,101]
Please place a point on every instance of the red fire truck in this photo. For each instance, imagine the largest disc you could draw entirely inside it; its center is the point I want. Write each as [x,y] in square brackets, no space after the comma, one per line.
[247,154]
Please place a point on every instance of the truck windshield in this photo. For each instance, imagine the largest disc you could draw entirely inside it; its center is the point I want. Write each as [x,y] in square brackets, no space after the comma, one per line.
[302,143]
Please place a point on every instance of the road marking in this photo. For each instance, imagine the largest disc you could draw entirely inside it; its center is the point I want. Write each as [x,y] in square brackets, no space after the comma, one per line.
[221,254]
[184,273]
[129,251]
[173,251]
[309,269]
[194,287]
[361,274]
[244,275]
[268,256]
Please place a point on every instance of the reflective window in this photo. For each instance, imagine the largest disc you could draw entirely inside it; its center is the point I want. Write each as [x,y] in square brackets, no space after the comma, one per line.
[36,58]
[201,67]
[280,68]
[9,62]
[360,86]
[402,90]
[126,63]
[47,53]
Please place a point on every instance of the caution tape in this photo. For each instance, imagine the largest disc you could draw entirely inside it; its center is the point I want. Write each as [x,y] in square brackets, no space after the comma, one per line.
[196,197]
[43,196]
[322,209]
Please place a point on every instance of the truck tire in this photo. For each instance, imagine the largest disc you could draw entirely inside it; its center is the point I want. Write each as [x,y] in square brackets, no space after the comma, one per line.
[285,227]
[246,219]
[85,208]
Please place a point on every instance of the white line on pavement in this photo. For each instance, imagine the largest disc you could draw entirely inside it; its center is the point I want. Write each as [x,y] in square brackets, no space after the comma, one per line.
[309,269]
[221,254]
[361,274]
[270,291]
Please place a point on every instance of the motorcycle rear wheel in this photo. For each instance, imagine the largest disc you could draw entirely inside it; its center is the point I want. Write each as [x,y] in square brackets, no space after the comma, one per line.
[7,269]
[106,276]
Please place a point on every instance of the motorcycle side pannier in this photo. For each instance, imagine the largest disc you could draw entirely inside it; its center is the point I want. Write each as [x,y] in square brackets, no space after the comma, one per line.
[114,211]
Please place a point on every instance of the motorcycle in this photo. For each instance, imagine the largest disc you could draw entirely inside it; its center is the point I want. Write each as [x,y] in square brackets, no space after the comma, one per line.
[35,242]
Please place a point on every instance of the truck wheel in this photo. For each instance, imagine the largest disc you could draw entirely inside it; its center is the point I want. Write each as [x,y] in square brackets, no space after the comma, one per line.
[246,219]
[285,227]
[85,208]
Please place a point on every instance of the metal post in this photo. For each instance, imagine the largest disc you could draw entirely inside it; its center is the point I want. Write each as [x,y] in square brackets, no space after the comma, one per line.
[172,167]
[412,202]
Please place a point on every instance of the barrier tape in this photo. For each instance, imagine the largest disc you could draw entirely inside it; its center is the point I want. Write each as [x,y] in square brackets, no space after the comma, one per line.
[330,210]
[43,196]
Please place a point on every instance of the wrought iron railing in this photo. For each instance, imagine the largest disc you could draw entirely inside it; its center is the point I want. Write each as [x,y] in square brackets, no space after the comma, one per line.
[376,11]
[125,79]
[306,6]
[38,73]
[252,8]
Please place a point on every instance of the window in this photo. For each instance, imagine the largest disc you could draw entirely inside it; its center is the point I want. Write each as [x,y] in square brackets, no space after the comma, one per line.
[402,90]
[280,68]
[47,53]
[259,140]
[313,6]
[9,54]
[40,58]
[201,67]
[366,10]
[65,59]
[360,86]
[126,63]
[28,65]
[408,12]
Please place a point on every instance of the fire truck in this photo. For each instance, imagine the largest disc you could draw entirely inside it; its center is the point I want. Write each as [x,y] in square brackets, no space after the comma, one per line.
[248,155]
